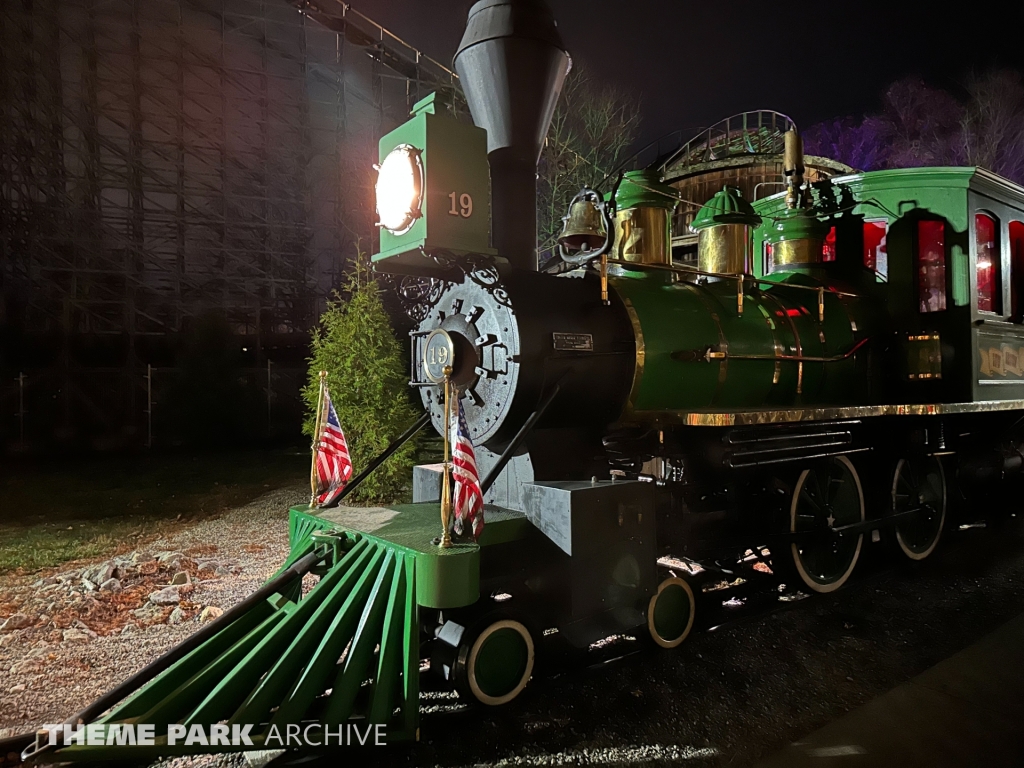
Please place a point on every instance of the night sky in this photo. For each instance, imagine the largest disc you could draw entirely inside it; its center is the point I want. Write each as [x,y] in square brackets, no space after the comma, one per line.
[694,63]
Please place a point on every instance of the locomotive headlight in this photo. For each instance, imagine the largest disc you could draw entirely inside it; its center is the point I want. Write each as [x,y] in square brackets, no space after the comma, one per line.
[400,189]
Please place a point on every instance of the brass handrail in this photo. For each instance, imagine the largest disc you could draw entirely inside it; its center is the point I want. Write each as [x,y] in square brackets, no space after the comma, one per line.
[728,276]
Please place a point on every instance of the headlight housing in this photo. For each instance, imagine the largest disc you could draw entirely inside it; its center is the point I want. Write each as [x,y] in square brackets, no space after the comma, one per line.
[399,189]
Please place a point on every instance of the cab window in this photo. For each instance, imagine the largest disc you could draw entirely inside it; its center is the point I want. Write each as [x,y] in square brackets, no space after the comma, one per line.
[931,265]
[988,264]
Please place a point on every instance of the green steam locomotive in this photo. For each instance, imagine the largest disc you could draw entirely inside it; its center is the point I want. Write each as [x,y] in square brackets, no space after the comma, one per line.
[842,364]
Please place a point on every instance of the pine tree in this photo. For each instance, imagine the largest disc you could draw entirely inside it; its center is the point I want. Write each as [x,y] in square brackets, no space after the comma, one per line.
[355,343]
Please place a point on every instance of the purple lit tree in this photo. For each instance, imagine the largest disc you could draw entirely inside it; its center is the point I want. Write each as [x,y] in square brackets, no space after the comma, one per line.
[920,125]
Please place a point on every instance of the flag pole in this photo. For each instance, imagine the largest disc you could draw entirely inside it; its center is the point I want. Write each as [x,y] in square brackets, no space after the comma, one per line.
[446,489]
[316,438]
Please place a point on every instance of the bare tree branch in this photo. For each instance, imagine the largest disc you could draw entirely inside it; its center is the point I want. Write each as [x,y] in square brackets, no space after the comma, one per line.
[592,127]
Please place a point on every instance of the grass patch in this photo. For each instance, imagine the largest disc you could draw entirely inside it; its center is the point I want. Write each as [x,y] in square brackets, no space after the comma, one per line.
[53,513]
[47,546]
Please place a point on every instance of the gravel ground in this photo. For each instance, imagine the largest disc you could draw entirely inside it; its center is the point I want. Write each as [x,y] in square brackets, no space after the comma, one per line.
[51,674]
[727,697]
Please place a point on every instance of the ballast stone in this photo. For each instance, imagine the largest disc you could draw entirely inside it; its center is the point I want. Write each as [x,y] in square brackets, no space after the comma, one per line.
[211,612]
[165,596]
[17,621]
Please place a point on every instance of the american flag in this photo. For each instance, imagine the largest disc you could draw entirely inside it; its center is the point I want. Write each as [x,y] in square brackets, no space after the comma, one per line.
[333,465]
[467,498]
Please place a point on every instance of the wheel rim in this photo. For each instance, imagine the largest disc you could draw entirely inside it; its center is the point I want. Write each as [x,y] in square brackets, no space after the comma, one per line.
[827,495]
[500,662]
[919,483]
[670,613]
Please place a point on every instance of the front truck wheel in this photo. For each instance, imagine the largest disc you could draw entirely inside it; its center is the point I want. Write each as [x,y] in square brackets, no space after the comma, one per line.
[494,664]
[670,612]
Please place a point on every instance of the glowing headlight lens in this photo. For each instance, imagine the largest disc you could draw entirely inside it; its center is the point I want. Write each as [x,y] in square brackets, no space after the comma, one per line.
[400,189]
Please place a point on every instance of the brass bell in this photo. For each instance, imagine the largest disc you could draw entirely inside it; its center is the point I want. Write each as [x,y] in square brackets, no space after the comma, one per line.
[583,228]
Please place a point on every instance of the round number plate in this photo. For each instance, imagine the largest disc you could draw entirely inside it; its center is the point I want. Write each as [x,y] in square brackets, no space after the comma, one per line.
[438,354]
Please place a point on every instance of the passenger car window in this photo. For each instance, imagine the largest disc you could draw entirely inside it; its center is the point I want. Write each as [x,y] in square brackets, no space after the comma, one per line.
[931,266]
[988,264]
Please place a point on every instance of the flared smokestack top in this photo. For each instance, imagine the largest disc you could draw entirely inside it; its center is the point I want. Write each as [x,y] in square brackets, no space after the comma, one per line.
[512,64]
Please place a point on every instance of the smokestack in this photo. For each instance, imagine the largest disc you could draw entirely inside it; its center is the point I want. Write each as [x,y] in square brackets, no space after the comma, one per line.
[512,64]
